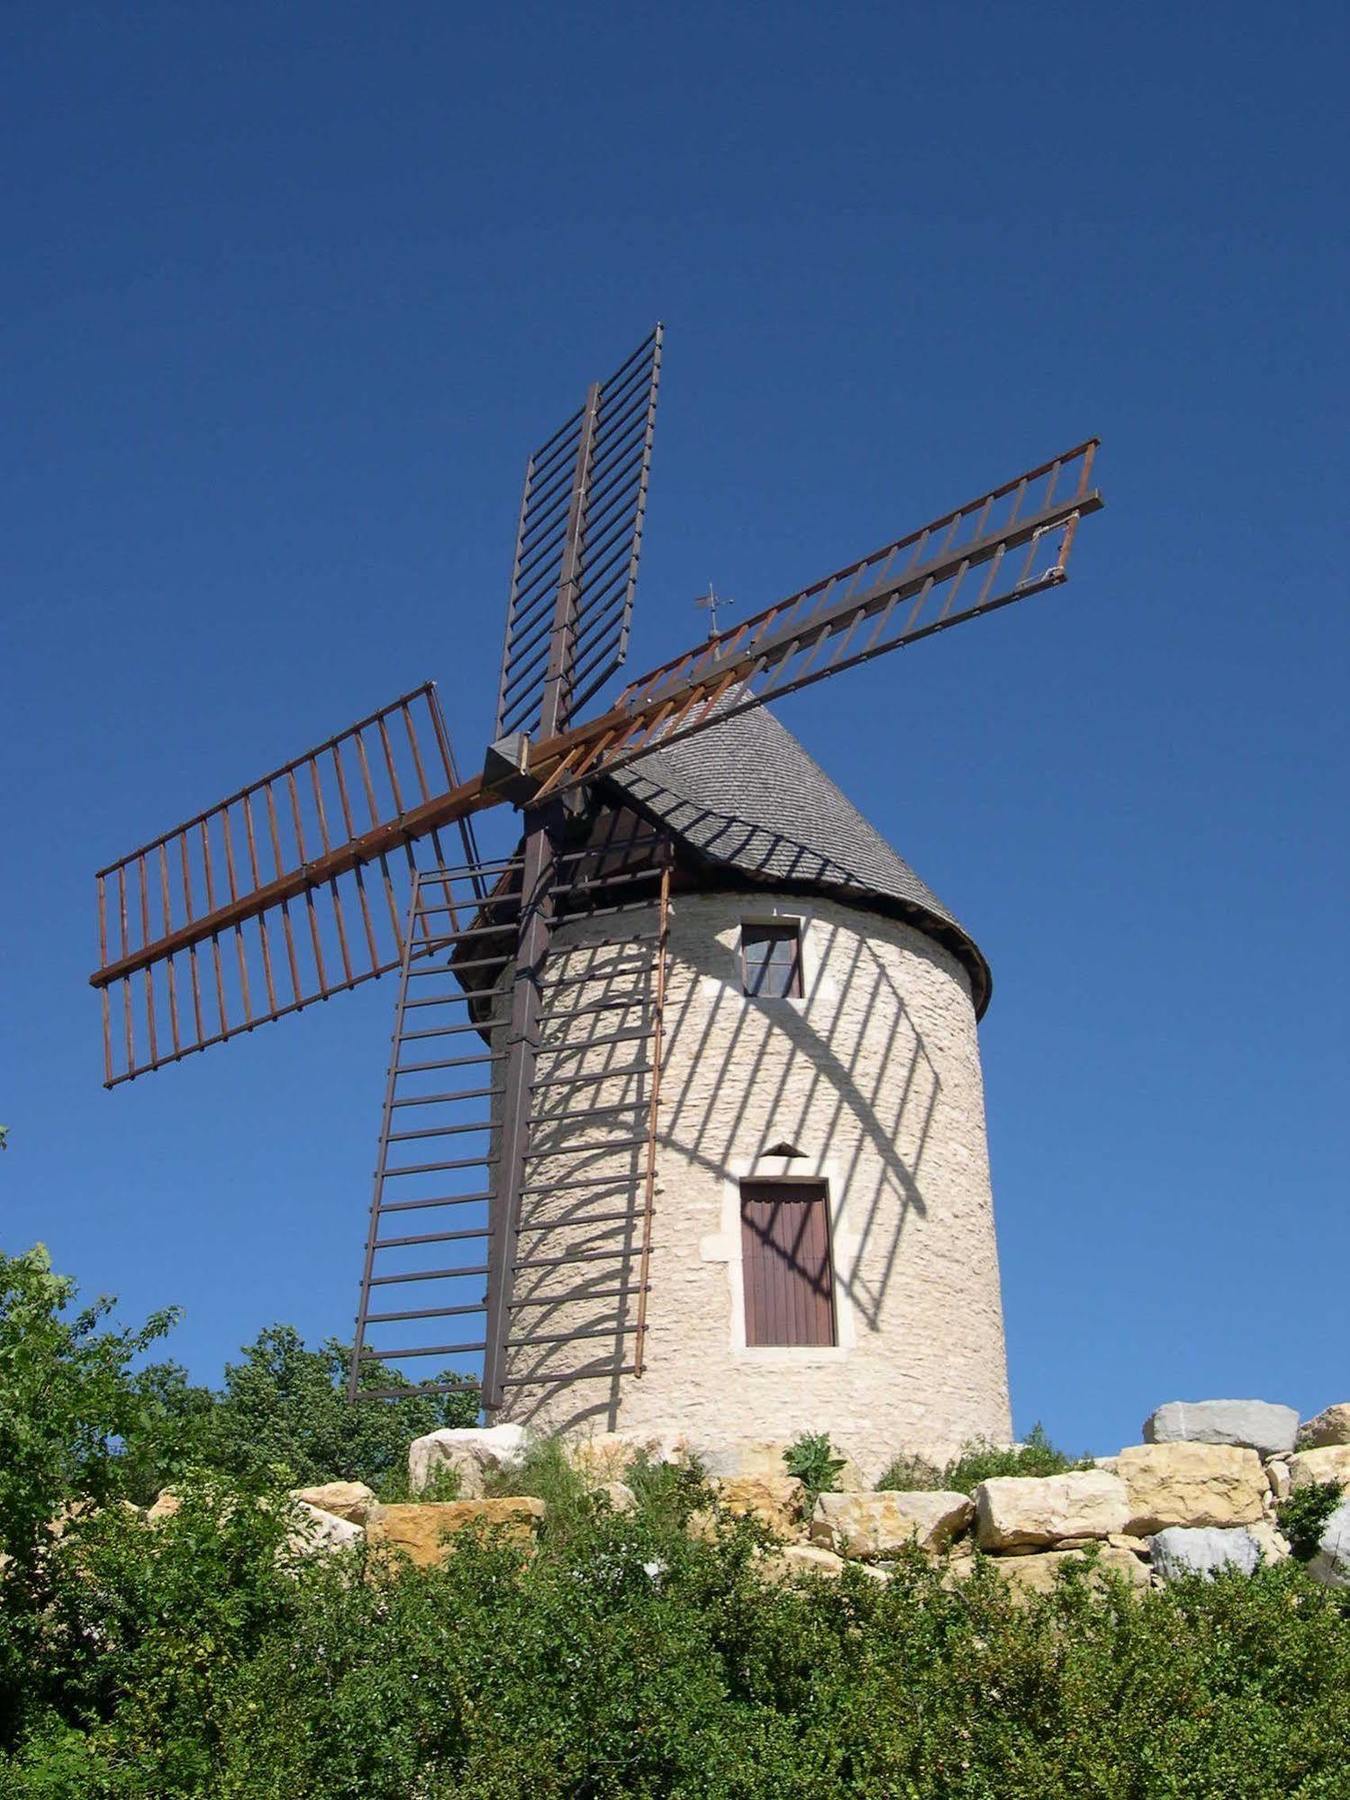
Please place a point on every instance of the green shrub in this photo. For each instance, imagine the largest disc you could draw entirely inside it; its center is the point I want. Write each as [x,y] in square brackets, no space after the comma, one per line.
[981,1461]
[908,1474]
[667,1493]
[619,1661]
[811,1459]
[545,1473]
[1304,1514]
[203,1659]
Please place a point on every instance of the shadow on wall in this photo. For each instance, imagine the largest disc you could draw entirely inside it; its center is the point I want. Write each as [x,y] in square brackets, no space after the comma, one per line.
[858,1084]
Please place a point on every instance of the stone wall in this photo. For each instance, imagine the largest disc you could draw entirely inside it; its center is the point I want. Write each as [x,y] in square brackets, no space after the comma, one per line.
[1200,1494]
[875,1077]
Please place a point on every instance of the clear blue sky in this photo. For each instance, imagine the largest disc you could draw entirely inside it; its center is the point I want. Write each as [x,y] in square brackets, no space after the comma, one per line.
[289,292]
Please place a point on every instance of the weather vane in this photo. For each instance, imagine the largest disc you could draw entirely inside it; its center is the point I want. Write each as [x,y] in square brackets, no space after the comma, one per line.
[710,603]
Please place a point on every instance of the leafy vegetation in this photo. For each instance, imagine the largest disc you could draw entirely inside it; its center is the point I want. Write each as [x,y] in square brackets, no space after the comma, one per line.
[981,1461]
[812,1460]
[1304,1514]
[203,1659]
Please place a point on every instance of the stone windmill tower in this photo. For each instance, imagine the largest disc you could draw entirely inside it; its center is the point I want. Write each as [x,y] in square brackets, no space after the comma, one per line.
[683,1123]
[823,1248]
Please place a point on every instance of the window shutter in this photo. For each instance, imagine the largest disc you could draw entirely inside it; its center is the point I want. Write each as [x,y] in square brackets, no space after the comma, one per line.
[785,1250]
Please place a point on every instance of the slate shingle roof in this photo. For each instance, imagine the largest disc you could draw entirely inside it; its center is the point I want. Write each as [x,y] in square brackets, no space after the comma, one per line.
[744,797]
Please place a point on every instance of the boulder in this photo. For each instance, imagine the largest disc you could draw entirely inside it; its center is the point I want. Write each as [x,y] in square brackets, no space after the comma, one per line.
[420,1528]
[1258,1425]
[775,1500]
[1190,1484]
[1122,1540]
[1029,1511]
[1270,1540]
[1203,1550]
[871,1525]
[350,1500]
[1277,1474]
[793,1560]
[606,1455]
[1331,1565]
[1329,1463]
[1039,1573]
[620,1496]
[1117,1540]
[471,1452]
[163,1507]
[1330,1426]
[315,1531]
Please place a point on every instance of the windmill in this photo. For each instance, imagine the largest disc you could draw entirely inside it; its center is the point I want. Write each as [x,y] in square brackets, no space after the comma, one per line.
[333,870]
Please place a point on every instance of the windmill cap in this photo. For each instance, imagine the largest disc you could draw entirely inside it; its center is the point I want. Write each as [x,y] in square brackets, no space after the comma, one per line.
[744,796]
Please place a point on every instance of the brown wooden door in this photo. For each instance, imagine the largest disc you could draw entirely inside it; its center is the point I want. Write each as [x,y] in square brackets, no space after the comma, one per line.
[785,1248]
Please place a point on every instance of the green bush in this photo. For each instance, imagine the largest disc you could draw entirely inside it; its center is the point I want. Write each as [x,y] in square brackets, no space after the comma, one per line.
[981,1461]
[811,1459]
[623,1659]
[204,1659]
[1304,1514]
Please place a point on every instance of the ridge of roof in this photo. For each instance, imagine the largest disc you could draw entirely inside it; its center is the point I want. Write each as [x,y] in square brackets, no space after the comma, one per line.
[744,796]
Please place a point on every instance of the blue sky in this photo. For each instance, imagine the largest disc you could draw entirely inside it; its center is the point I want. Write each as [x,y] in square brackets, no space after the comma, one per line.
[290,292]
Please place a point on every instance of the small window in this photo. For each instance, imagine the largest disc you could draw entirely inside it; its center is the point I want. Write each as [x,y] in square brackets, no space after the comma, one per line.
[785,1262]
[771,960]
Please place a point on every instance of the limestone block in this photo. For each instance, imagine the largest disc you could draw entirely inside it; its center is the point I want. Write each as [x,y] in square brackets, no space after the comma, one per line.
[421,1528]
[1038,1574]
[620,1496]
[1203,1550]
[163,1507]
[351,1500]
[1258,1425]
[878,1572]
[315,1531]
[755,1457]
[959,1568]
[606,1455]
[775,1500]
[870,1525]
[1329,1463]
[1330,1426]
[1331,1565]
[1277,1474]
[794,1560]
[472,1452]
[1118,1540]
[1270,1540]
[1191,1484]
[1032,1510]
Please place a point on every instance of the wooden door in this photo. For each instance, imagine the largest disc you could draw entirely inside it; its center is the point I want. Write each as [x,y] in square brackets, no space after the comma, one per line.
[785,1249]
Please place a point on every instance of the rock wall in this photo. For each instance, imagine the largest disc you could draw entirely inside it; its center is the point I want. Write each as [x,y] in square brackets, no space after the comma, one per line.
[1171,1506]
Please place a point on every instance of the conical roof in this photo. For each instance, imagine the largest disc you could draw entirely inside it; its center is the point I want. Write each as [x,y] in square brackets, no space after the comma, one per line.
[744,797]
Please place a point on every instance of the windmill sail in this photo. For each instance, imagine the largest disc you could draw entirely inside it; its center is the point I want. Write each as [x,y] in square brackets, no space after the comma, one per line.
[291,890]
[183,901]
[999,548]
[577,549]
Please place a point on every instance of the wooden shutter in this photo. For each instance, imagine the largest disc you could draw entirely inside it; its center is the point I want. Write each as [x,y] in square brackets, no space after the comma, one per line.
[785,1249]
